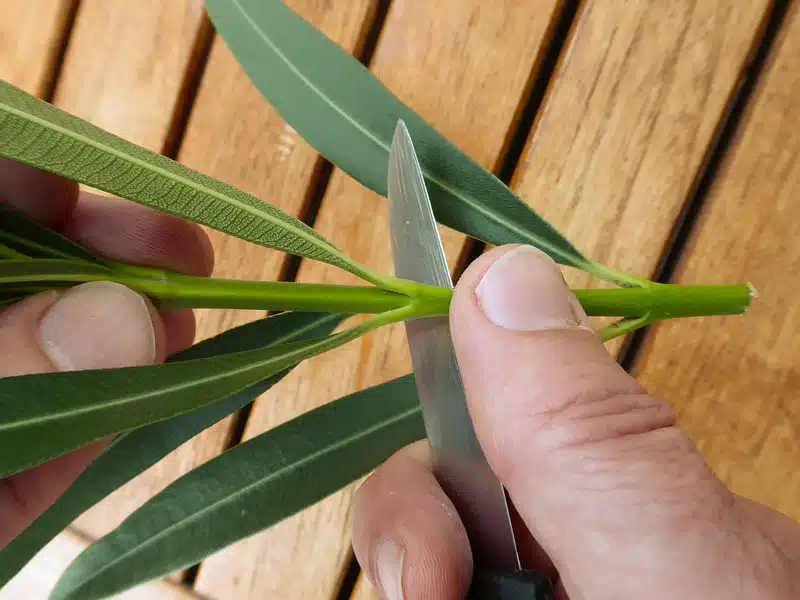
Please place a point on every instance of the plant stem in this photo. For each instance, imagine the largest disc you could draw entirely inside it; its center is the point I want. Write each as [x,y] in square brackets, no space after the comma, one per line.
[173,291]
[666,301]
[660,301]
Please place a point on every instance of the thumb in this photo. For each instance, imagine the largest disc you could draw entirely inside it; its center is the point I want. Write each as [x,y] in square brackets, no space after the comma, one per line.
[95,325]
[615,494]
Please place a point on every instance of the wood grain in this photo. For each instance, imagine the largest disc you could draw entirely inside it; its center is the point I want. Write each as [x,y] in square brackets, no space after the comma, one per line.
[39,576]
[464,52]
[125,63]
[628,122]
[735,381]
[123,71]
[30,37]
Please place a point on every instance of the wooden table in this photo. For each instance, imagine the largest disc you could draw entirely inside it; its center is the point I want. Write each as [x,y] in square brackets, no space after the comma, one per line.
[662,137]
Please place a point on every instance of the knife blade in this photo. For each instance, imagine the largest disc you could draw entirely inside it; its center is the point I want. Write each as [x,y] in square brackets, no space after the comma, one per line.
[458,460]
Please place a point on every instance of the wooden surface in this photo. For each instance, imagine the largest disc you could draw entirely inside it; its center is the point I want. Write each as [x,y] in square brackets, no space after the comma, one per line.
[145,47]
[631,112]
[31,33]
[40,575]
[630,117]
[735,382]
[409,60]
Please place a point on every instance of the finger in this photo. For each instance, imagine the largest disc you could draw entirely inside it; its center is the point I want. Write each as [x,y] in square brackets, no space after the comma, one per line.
[777,526]
[406,533]
[616,495]
[180,327]
[46,198]
[131,233]
[91,326]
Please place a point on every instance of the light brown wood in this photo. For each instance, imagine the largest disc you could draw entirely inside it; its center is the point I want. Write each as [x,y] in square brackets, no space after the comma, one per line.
[470,55]
[125,63]
[30,37]
[735,381]
[628,121]
[123,71]
[39,576]
[236,136]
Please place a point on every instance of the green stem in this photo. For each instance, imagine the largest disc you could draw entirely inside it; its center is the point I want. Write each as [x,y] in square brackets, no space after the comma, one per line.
[666,301]
[172,291]
[660,301]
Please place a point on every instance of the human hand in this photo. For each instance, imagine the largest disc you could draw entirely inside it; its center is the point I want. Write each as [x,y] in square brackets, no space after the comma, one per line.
[94,325]
[620,503]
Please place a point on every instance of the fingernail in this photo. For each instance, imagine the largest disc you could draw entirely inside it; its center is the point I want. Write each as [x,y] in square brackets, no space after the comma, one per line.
[524,291]
[389,569]
[98,325]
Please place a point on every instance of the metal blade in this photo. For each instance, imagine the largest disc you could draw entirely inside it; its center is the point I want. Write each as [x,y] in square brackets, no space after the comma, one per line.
[459,463]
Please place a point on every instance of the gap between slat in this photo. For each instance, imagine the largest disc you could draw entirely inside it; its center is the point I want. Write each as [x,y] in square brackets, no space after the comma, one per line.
[531,102]
[187,96]
[56,60]
[721,143]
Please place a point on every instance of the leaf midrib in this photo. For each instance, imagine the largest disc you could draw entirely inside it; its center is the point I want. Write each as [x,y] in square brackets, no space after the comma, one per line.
[161,390]
[381,144]
[244,490]
[175,178]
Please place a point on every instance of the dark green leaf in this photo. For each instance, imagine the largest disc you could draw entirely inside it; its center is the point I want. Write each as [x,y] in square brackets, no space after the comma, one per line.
[28,237]
[347,115]
[133,452]
[249,488]
[39,134]
[66,410]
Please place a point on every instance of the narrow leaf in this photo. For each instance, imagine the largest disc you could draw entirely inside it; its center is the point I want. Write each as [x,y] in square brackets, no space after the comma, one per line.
[66,410]
[133,452]
[39,134]
[349,116]
[28,237]
[40,270]
[247,489]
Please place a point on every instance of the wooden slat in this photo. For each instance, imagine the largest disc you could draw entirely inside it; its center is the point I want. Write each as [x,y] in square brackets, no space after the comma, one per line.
[735,381]
[123,71]
[236,136]
[629,119]
[30,37]
[39,576]
[464,66]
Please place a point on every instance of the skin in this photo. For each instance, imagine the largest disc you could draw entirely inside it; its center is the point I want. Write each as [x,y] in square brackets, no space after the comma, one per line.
[610,496]
[613,499]
[110,227]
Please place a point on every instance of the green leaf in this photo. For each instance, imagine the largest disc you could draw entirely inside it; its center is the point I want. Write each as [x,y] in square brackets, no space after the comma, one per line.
[28,237]
[249,488]
[347,115]
[40,270]
[39,134]
[66,410]
[133,452]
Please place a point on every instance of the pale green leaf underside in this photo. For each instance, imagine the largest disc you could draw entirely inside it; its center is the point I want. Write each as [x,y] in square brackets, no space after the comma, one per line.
[132,452]
[38,134]
[254,485]
[347,115]
[67,410]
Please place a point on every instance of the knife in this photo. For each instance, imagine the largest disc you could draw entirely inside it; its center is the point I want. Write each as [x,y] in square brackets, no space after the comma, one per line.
[458,461]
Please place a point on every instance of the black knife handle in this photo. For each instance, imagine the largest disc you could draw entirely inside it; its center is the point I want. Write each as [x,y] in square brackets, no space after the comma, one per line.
[519,585]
